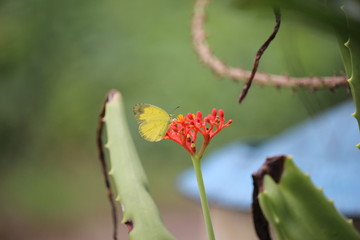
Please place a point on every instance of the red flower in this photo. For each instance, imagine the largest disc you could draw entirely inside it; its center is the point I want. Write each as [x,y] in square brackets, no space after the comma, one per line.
[184,130]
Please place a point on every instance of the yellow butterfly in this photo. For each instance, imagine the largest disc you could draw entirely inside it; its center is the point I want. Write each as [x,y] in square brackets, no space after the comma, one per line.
[153,121]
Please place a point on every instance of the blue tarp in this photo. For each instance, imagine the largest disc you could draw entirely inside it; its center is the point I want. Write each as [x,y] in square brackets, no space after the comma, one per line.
[323,146]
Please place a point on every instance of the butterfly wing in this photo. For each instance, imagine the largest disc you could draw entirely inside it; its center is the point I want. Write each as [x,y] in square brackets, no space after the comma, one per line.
[153,121]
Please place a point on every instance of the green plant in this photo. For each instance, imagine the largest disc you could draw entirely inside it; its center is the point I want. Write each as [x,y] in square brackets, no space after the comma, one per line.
[288,200]
[139,209]
[294,206]
[184,131]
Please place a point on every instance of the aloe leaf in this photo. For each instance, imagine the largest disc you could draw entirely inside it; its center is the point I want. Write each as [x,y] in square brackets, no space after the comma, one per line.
[350,52]
[354,80]
[298,210]
[140,213]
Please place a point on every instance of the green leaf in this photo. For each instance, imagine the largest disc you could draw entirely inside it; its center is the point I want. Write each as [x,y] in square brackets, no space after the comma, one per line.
[139,210]
[298,210]
[354,80]
[350,52]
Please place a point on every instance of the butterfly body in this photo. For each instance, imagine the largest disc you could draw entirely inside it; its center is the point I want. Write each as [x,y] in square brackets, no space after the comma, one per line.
[153,121]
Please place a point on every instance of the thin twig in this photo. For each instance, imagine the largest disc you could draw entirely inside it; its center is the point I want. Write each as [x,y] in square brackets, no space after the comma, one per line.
[221,69]
[259,54]
[104,168]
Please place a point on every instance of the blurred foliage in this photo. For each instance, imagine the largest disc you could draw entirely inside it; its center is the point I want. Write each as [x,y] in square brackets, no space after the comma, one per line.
[296,208]
[58,60]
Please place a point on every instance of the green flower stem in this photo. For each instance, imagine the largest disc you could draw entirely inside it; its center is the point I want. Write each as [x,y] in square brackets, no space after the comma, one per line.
[204,202]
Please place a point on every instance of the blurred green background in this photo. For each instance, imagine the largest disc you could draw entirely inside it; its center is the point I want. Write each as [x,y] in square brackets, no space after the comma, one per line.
[58,59]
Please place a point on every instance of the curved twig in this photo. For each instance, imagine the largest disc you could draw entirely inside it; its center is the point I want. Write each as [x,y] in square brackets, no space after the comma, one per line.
[259,54]
[221,69]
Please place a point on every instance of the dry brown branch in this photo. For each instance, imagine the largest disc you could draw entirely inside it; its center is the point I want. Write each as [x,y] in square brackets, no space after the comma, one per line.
[221,69]
[259,54]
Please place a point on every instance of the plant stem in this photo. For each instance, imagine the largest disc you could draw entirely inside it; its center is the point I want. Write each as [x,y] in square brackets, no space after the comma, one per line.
[204,202]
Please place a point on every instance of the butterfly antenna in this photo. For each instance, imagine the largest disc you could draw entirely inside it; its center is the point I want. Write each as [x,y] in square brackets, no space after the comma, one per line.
[172,112]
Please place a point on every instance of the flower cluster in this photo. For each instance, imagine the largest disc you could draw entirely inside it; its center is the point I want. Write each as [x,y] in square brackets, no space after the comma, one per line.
[184,129]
